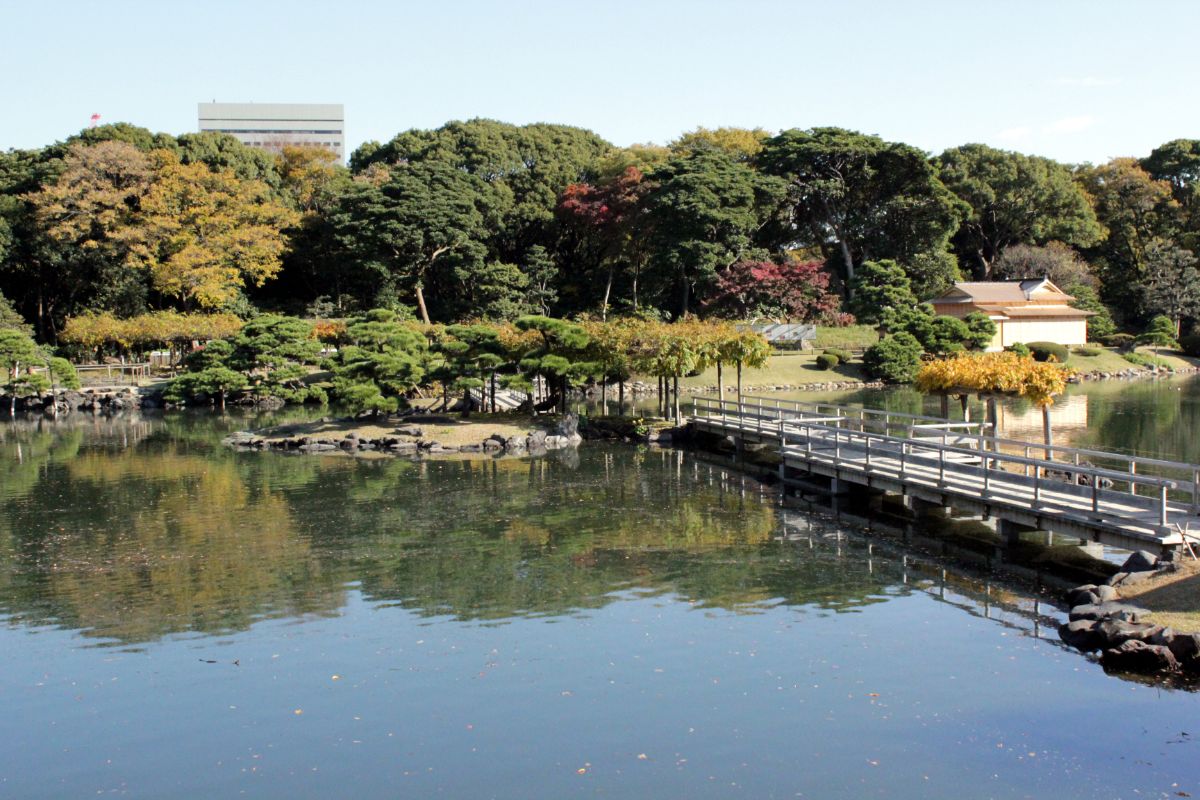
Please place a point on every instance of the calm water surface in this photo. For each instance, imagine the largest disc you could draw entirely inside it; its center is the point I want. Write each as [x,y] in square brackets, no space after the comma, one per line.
[184,621]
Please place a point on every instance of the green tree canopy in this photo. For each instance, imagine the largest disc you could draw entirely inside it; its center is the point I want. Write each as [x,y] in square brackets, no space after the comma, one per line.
[879,287]
[702,217]
[425,217]
[857,197]
[1014,199]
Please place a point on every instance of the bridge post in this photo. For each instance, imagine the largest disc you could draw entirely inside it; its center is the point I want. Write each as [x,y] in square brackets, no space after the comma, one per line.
[925,508]
[1010,532]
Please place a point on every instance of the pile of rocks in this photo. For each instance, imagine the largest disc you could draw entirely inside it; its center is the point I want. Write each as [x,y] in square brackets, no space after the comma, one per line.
[1099,622]
[1135,372]
[97,401]
[409,440]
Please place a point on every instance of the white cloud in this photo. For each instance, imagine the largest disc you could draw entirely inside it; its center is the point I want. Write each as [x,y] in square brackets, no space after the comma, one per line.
[1070,124]
[1089,81]
[1015,134]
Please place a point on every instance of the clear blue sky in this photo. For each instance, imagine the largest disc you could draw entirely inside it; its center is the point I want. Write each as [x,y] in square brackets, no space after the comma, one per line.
[1077,80]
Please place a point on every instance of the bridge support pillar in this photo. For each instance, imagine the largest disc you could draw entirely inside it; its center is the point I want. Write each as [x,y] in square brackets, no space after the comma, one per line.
[1010,532]
[864,497]
[925,508]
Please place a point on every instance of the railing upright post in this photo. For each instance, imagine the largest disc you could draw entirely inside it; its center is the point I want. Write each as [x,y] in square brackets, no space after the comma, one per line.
[1195,490]
[1096,493]
[1162,514]
[1037,485]
[868,451]
[942,464]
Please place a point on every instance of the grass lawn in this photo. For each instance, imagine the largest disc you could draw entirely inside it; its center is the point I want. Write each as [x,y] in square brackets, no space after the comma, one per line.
[1109,360]
[1173,599]
[851,337]
[783,369]
[446,429]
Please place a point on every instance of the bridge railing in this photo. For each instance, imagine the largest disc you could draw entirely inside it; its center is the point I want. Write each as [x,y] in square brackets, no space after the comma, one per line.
[929,437]
[995,470]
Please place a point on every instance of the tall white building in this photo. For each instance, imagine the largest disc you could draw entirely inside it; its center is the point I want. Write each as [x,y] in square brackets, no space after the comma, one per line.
[272,126]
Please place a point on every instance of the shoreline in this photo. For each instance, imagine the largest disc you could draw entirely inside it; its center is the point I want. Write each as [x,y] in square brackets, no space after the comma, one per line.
[127,398]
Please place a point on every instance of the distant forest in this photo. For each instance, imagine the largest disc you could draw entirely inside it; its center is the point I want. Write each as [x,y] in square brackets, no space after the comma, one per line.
[482,220]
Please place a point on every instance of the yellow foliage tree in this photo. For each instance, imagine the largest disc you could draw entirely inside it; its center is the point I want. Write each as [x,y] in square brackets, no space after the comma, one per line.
[205,233]
[170,328]
[742,143]
[1002,373]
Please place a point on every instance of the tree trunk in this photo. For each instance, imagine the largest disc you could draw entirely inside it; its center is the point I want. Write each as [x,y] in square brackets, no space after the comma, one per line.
[621,398]
[720,383]
[493,393]
[1047,432]
[607,292]
[421,304]
[466,399]
[675,382]
[739,387]
[846,257]
[604,395]
[683,295]
[944,405]
[966,408]
[985,266]
[993,419]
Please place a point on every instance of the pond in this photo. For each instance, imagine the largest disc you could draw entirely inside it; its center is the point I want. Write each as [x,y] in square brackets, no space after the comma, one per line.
[182,620]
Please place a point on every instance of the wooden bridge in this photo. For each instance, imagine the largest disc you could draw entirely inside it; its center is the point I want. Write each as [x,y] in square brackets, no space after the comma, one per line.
[1121,500]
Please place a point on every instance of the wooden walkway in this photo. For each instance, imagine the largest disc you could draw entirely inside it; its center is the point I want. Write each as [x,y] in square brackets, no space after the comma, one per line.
[1124,501]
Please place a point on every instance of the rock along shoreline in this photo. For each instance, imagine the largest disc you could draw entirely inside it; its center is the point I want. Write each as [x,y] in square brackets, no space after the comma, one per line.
[1099,622]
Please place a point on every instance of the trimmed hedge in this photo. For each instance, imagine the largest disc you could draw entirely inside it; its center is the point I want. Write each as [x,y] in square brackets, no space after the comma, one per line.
[1019,349]
[1087,352]
[1043,351]
[843,356]
[827,361]
[894,359]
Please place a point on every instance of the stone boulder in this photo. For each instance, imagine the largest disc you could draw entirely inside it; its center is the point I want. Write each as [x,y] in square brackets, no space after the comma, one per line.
[566,426]
[1140,561]
[1099,611]
[1082,635]
[1186,649]
[1137,656]
[1116,632]
[1083,595]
